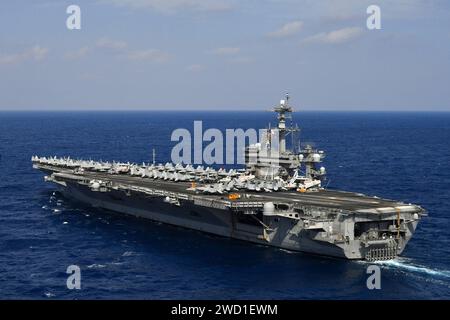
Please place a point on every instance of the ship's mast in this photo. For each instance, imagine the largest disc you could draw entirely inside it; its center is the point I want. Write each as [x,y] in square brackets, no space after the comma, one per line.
[284,112]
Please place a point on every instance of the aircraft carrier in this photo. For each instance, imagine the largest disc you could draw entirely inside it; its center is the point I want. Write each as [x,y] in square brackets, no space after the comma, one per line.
[278,199]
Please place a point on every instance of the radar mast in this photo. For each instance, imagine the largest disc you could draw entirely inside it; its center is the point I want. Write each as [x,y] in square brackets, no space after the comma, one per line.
[284,111]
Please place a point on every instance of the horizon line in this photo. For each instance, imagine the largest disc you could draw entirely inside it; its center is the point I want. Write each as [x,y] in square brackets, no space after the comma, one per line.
[240,110]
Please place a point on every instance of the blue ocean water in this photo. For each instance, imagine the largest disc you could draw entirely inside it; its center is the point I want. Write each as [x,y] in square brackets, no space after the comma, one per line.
[402,156]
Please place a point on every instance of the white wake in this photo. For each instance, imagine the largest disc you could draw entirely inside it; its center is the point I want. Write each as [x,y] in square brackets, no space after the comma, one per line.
[406,265]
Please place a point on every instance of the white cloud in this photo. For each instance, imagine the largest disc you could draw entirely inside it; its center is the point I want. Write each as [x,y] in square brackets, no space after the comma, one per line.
[195,67]
[106,43]
[170,6]
[152,55]
[351,9]
[77,54]
[36,53]
[226,51]
[121,49]
[335,37]
[289,29]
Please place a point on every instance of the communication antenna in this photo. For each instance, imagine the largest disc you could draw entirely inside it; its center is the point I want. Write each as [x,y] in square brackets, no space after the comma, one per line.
[292,137]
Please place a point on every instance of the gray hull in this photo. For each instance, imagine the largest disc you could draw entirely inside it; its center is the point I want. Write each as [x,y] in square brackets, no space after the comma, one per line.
[283,232]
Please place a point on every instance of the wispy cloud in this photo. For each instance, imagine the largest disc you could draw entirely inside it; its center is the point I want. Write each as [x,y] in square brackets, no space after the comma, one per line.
[171,6]
[110,44]
[120,49]
[336,36]
[36,53]
[152,55]
[195,67]
[288,30]
[77,54]
[226,51]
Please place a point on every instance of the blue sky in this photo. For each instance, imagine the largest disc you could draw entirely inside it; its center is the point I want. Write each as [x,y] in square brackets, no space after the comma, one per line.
[224,54]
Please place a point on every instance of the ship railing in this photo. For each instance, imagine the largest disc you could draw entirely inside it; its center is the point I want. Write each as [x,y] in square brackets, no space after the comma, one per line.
[246,204]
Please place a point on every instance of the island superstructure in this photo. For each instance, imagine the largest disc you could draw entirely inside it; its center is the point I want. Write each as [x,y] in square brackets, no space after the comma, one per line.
[278,199]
